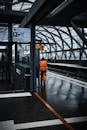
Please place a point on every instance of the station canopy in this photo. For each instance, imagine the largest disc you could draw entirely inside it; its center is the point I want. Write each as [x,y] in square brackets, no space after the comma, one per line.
[53,30]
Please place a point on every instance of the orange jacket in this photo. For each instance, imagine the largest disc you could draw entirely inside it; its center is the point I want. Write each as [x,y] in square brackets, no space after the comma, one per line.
[43,65]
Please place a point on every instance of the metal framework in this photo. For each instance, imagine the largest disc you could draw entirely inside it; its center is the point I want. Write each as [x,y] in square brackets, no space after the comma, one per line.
[67,44]
[17,5]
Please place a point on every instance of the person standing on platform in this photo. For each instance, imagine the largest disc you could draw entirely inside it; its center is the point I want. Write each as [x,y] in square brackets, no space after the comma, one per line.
[43,70]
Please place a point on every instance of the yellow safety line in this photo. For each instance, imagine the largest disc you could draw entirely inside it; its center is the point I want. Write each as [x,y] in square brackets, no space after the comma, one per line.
[54,112]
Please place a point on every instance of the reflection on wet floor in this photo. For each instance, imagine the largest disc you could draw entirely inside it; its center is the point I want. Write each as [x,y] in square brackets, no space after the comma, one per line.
[67,98]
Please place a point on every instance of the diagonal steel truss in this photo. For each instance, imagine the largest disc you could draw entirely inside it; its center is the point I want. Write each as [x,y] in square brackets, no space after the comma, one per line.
[67,44]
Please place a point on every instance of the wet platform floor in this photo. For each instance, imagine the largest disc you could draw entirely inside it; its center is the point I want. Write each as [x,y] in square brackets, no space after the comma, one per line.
[67,97]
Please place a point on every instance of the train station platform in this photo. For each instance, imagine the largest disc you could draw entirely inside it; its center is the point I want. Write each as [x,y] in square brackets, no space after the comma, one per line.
[72,70]
[61,105]
[69,65]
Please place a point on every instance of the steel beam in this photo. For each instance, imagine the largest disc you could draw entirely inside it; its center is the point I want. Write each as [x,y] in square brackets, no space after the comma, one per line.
[59,8]
[6,1]
[74,49]
[11,16]
[3,50]
[79,33]
[39,10]
[3,43]
[12,13]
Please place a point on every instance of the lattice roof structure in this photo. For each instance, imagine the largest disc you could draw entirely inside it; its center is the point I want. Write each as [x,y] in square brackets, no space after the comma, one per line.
[53,25]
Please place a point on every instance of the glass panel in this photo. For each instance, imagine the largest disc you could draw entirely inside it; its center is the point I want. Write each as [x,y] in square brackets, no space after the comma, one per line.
[24,53]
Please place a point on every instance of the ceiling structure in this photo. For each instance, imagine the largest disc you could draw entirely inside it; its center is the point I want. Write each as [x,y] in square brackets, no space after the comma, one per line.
[57,13]
[62,43]
[40,12]
[17,12]
[53,24]
[56,21]
[68,10]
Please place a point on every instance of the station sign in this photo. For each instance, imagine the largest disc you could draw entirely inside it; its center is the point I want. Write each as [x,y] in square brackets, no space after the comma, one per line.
[21,35]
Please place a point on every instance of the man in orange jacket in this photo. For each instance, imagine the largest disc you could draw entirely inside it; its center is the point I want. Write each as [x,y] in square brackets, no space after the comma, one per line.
[43,69]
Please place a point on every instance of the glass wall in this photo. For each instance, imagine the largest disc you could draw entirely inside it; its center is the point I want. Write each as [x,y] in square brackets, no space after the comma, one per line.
[63,43]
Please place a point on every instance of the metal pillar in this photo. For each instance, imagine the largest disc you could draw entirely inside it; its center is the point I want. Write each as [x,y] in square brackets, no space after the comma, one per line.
[9,50]
[16,53]
[82,51]
[37,70]
[8,7]
[32,61]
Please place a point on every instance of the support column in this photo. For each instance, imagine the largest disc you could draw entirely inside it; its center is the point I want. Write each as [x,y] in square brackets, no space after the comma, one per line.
[32,61]
[16,53]
[9,50]
[8,7]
